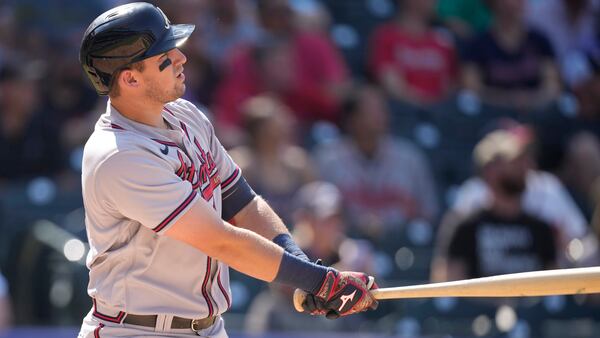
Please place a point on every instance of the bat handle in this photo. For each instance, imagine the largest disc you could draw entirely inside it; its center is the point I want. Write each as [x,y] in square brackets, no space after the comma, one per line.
[300,295]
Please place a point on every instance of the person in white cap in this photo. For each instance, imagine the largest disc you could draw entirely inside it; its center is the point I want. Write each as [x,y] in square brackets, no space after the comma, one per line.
[501,236]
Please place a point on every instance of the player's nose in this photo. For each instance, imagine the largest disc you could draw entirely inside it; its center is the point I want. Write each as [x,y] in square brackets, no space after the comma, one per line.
[178,57]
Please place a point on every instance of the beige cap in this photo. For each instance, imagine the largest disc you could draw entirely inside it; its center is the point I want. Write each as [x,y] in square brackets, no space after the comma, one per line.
[500,145]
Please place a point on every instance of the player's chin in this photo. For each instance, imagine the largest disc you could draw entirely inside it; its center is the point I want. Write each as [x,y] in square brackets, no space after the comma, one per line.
[179,90]
[174,95]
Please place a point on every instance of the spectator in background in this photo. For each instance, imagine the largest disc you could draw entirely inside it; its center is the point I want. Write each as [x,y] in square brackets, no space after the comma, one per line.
[587,92]
[311,17]
[228,24]
[319,222]
[511,64]
[544,198]
[580,170]
[570,25]
[5,307]
[271,163]
[192,11]
[301,67]
[499,237]
[8,35]
[464,17]
[569,145]
[412,61]
[69,99]
[29,135]
[385,181]
[319,230]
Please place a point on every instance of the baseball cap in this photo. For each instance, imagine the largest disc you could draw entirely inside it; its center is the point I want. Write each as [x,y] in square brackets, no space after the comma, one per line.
[320,199]
[502,144]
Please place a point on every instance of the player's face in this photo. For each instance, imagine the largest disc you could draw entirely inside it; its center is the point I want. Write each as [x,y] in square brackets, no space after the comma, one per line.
[165,85]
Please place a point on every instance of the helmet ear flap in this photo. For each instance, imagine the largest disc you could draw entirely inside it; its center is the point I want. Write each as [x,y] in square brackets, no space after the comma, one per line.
[97,80]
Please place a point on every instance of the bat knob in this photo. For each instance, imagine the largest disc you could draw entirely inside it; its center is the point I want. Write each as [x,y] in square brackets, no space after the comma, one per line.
[299,297]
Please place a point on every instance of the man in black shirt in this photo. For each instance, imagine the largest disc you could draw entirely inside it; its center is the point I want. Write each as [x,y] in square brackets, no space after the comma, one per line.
[501,237]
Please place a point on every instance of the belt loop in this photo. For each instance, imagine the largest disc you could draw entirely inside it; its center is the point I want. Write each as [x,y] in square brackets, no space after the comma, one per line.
[168,322]
[160,325]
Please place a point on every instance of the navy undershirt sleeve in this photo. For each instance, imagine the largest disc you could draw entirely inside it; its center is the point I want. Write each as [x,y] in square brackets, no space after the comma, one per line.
[236,198]
[287,243]
[298,273]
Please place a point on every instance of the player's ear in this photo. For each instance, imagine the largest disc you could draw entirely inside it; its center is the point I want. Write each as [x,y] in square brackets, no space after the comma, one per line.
[129,79]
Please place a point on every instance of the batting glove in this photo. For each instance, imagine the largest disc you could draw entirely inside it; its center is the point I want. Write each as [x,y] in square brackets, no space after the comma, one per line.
[344,293]
[312,304]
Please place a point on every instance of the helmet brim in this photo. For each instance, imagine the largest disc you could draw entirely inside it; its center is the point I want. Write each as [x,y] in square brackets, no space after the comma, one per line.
[176,37]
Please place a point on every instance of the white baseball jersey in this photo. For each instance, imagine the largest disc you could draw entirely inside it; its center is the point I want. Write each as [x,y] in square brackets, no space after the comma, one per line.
[137,181]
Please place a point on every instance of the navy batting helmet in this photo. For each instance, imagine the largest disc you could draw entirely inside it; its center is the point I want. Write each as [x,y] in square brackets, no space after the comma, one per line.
[124,35]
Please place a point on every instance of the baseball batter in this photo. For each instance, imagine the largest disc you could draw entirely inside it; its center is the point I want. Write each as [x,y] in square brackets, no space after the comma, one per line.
[162,196]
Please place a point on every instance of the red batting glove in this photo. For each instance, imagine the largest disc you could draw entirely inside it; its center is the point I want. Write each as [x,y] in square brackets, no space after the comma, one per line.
[345,293]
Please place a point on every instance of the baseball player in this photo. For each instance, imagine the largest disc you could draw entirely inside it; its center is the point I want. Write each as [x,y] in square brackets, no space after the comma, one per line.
[167,210]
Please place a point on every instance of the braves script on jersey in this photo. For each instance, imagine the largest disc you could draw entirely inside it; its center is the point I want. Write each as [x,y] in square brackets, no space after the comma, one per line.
[137,181]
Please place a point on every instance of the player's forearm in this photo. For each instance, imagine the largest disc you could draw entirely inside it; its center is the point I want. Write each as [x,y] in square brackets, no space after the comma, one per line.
[243,249]
[258,217]
[240,248]
[255,256]
[249,253]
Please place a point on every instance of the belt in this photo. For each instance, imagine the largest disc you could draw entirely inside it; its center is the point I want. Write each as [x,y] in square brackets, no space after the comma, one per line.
[177,323]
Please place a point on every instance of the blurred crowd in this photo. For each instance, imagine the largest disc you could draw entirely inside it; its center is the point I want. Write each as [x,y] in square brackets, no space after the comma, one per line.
[414,139]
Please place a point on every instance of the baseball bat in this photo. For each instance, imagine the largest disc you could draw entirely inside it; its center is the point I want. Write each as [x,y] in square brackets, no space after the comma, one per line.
[523,284]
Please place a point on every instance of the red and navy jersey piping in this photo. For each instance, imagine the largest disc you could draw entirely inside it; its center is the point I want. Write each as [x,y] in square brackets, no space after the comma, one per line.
[211,310]
[113,319]
[97,330]
[230,179]
[223,289]
[169,111]
[175,212]
[183,167]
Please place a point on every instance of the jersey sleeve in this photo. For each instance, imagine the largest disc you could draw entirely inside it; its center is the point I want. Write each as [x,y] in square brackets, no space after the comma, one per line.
[142,187]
